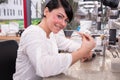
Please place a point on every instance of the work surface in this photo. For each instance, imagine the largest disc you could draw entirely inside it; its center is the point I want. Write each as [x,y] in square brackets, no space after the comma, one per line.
[97,69]
[9,38]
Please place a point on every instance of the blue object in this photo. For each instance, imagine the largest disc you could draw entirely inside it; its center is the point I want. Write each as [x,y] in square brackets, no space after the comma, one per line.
[78,28]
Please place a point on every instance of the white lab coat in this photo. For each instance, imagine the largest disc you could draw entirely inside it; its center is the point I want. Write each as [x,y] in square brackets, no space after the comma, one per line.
[38,56]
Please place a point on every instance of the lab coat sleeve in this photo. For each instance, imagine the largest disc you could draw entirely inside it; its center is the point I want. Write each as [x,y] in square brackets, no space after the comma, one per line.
[44,63]
[51,65]
[66,44]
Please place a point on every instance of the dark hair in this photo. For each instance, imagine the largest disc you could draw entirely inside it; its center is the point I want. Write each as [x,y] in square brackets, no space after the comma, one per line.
[54,4]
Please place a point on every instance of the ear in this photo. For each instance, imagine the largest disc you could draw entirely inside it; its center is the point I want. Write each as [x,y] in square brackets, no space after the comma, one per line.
[46,11]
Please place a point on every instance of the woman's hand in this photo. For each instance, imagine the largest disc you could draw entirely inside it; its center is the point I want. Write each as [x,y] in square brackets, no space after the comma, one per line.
[84,51]
[88,44]
[87,57]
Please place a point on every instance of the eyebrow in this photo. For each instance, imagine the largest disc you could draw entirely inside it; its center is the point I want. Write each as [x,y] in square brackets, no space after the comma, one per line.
[64,16]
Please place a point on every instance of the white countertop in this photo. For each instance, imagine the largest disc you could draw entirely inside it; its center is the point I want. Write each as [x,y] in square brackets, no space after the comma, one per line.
[96,69]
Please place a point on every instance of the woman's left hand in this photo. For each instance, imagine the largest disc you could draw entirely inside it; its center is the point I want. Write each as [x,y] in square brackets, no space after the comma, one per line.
[86,58]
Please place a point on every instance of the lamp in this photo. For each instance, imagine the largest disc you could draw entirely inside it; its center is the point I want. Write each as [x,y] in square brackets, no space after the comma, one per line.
[111,3]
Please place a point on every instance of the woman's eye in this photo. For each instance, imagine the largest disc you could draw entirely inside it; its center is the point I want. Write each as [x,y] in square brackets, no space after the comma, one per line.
[59,16]
[62,18]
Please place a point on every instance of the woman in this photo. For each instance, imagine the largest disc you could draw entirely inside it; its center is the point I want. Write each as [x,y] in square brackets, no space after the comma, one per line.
[38,49]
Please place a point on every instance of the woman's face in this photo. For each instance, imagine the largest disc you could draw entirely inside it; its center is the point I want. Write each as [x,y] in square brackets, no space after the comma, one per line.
[56,19]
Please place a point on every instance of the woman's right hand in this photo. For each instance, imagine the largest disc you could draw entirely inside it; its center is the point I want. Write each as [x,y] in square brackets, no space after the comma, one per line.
[88,43]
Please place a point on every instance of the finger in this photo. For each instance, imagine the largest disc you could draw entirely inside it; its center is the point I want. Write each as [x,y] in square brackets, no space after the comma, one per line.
[84,59]
[86,37]
[81,34]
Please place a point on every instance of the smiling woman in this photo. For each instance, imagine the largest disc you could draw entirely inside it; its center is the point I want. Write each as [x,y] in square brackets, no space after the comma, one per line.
[56,17]
[39,45]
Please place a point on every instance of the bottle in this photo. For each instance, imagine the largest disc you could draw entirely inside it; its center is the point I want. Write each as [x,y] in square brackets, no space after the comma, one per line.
[78,28]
